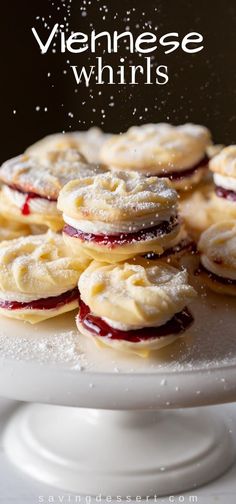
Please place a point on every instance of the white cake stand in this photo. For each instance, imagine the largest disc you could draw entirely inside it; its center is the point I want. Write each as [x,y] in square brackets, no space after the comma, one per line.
[110,424]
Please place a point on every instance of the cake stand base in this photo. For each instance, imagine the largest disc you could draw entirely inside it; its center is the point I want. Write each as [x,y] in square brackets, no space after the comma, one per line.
[119,453]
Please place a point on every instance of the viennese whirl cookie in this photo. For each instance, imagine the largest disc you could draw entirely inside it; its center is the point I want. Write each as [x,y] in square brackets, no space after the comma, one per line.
[217,247]
[176,152]
[132,307]
[31,185]
[223,167]
[212,202]
[115,216]
[89,143]
[38,280]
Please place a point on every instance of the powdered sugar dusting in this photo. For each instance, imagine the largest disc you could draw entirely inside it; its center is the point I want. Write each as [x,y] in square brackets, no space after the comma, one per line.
[54,349]
[210,343]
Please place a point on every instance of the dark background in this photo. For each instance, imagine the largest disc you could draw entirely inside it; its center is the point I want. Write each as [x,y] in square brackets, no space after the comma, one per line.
[201,88]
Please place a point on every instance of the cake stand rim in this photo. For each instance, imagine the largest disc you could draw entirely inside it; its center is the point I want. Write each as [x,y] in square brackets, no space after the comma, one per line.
[32,382]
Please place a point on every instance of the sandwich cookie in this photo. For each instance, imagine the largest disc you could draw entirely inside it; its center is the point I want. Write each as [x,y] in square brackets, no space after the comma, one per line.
[31,185]
[217,247]
[223,167]
[89,143]
[176,152]
[116,216]
[38,280]
[133,308]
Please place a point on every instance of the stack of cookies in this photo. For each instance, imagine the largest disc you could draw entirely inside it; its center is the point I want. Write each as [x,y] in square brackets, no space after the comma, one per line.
[38,275]
[115,220]
[117,228]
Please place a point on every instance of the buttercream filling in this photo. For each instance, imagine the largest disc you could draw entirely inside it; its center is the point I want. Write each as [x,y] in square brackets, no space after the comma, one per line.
[218,268]
[99,327]
[49,303]
[187,172]
[159,230]
[216,278]
[224,182]
[29,202]
[116,228]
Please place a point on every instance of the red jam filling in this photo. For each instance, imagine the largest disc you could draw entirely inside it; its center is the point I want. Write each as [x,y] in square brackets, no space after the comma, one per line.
[49,303]
[179,175]
[26,207]
[214,277]
[113,240]
[176,326]
[184,246]
[25,210]
[225,193]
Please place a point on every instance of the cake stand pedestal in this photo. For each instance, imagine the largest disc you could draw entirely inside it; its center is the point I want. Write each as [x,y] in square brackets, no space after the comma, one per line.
[119,453]
[110,425]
